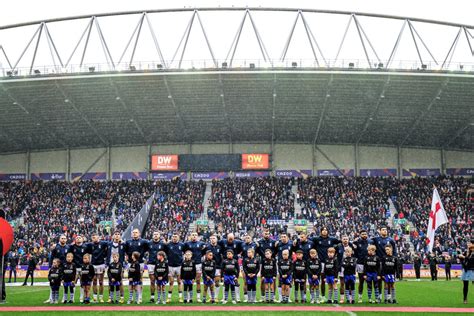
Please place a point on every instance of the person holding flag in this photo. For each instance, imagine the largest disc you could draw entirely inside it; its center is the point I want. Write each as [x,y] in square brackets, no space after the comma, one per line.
[437,218]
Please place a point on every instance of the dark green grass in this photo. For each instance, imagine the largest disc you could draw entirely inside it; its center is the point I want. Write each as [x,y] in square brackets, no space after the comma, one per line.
[424,293]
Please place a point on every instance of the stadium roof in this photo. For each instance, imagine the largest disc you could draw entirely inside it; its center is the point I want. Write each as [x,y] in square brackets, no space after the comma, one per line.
[332,106]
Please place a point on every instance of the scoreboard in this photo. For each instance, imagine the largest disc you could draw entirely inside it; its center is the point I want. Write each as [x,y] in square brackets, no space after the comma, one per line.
[210,162]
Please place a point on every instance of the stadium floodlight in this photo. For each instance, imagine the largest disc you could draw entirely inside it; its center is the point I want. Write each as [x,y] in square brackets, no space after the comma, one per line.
[424,66]
[9,74]
[91,69]
[37,72]
[252,66]
[461,67]
[351,65]
[159,66]
[224,65]
[294,64]
[380,66]
[133,68]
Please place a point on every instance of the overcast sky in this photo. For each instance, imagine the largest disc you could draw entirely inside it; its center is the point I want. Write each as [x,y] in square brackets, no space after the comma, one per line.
[274,29]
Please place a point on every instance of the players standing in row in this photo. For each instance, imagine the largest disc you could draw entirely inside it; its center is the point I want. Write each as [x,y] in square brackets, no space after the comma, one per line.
[319,260]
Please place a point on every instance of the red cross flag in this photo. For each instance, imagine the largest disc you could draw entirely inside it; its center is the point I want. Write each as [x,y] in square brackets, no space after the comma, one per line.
[437,218]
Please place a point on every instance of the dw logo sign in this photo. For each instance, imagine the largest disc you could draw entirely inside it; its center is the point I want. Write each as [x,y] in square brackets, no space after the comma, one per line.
[164,162]
[255,161]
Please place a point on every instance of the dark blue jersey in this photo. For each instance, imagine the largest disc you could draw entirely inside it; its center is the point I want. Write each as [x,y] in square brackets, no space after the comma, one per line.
[175,254]
[78,253]
[381,242]
[196,248]
[98,250]
[217,252]
[340,251]
[116,248]
[304,246]
[360,251]
[155,247]
[264,244]
[281,247]
[235,246]
[59,252]
[136,245]
[322,245]
[246,247]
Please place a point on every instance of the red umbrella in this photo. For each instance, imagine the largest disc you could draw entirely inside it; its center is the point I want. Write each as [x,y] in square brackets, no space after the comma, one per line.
[6,234]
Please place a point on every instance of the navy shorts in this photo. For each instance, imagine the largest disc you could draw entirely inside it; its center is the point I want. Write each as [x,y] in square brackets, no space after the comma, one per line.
[372,276]
[268,280]
[330,279]
[188,282]
[161,282]
[286,281]
[349,279]
[229,279]
[389,278]
[312,281]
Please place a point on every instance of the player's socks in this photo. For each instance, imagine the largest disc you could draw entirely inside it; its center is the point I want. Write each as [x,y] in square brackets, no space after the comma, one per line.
[180,295]
[317,294]
[272,296]
[82,293]
[233,294]
[198,295]
[336,295]
[279,292]
[213,294]
[237,293]
[393,294]
[377,292]
[348,295]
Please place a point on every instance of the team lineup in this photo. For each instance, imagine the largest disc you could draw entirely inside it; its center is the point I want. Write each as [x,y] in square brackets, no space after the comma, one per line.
[306,263]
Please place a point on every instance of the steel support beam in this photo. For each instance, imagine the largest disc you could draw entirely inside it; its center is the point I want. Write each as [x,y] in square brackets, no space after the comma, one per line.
[28,165]
[323,111]
[73,104]
[224,107]
[231,9]
[399,162]
[417,120]
[373,114]
[127,109]
[452,138]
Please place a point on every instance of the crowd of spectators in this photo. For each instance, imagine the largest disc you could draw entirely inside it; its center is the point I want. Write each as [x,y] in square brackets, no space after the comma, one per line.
[412,198]
[242,204]
[45,210]
[347,205]
[344,204]
[177,205]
